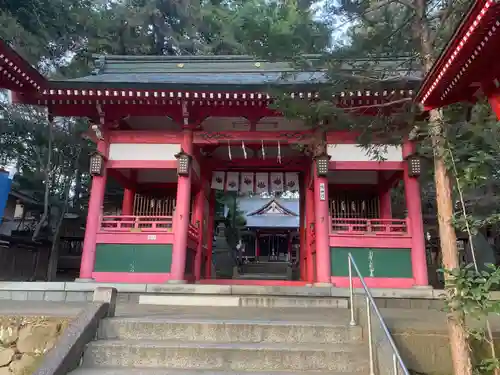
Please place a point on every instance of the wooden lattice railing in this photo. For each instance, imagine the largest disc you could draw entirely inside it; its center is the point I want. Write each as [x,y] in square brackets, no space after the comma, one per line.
[379,227]
[136,224]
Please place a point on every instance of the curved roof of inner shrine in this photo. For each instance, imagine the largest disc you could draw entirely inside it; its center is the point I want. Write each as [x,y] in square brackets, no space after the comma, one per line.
[256,215]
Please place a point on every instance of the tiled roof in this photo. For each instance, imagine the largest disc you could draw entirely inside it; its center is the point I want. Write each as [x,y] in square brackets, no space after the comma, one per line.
[227,71]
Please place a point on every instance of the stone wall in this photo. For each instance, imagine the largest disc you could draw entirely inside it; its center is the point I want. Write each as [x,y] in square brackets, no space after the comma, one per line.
[427,299]
[25,340]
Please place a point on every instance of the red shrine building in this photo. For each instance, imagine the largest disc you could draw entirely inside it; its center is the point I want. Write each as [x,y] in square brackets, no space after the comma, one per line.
[173,130]
[468,66]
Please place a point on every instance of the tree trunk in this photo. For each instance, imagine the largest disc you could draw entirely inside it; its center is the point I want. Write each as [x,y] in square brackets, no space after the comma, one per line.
[460,352]
[54,250]
[48,181]
[78,190]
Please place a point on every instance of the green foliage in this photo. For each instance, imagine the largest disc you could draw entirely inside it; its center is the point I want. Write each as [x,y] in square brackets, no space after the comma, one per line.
[468,294]
[235,219]
[24,141]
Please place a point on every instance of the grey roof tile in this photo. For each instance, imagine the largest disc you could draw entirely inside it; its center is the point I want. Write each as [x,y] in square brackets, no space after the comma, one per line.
[224,71]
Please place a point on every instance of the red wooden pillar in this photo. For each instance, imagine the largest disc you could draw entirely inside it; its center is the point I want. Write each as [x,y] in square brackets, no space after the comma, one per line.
[309,211]
[199,205]
[210,233]
[93,218]
[494,99]
[385,200]
[181,219]
[322,216]
[414,207]
[128,202]
[129,197]
[302,254]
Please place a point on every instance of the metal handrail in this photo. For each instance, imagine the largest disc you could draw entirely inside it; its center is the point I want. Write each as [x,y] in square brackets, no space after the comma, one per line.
[370,304]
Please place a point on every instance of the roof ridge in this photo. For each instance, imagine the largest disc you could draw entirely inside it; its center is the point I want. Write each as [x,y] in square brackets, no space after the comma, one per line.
[265,206]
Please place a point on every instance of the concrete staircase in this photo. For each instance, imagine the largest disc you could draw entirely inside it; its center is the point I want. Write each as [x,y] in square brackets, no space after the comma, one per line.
[269,344]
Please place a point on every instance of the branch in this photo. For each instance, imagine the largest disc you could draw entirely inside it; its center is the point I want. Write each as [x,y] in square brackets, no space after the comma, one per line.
[443,15]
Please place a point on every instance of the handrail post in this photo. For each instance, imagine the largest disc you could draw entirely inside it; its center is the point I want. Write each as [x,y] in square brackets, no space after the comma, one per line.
[370,334]
[398,365]
[351,293]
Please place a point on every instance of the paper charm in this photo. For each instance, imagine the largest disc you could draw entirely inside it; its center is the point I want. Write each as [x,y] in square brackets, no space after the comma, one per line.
[292,181]
[218,180]
[232,181]
[247,182]
[262,183]
[277,181]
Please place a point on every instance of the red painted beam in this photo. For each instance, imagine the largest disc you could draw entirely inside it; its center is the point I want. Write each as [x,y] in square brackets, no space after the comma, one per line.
[142,164]
[366,165]
[209,137]
[245,164]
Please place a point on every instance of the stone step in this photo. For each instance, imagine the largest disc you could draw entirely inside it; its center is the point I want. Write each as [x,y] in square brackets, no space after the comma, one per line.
[265,267]
[161,371]
[227,356]
[262,276]
[235,331]
[241,301]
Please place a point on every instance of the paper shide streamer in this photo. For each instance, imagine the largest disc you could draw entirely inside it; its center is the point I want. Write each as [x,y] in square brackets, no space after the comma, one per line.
[244,149]
[279,152]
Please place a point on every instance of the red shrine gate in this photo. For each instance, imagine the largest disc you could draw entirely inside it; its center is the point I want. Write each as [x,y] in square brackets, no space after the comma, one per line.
[163,135]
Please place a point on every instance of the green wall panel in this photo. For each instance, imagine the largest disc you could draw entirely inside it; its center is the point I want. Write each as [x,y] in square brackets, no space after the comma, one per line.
[372,262]
[133,258]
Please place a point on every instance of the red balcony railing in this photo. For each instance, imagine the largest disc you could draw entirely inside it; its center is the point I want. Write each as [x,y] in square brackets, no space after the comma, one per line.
[136,224]
[377,227]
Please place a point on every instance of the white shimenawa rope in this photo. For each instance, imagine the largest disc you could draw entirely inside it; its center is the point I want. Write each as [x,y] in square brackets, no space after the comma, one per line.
[263,150]
[229,150]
